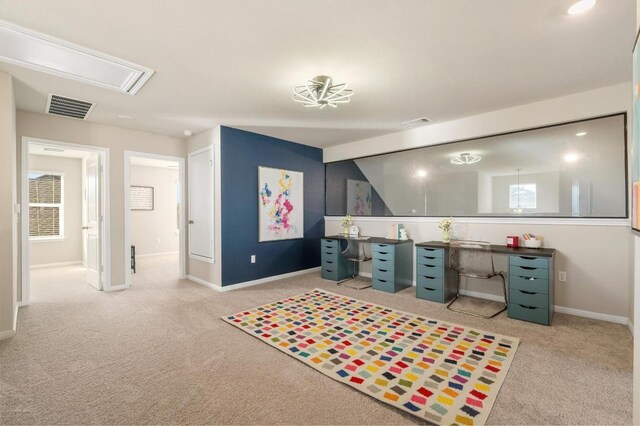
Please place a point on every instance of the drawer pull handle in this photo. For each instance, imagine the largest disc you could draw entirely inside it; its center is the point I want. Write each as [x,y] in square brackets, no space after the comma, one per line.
[329,261]
[428,277]
[528,307]
[383,252]
[530,268]
[527,257]
[329,270]
[527,292]
[381,260]
[428,289]
[429,257]
[382,245]
[528,278]
[383,270]
[382,281]
[429,266]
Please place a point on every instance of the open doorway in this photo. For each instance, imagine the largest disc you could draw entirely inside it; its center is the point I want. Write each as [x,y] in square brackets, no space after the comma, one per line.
[154,217]
[64,219]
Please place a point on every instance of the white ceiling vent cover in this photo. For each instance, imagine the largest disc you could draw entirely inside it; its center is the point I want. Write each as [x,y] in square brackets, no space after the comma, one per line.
[417,122]
[68,107]
[42,52]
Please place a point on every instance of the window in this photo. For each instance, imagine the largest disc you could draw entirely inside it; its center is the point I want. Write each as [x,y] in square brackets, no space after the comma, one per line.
[522,196]
[46,214]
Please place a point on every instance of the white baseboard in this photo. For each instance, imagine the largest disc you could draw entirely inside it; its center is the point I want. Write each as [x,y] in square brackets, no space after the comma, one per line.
[167,253]
[55,265]
[231,287]
[594,315]
[14,329]
[116,288]
[203,282]
[561,309]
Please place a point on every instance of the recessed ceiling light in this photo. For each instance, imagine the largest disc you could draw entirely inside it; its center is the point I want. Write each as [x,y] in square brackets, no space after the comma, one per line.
[187,133]
[421,173]
[125,117]
[581,133]
[41,52]
[581,7]
[571,157]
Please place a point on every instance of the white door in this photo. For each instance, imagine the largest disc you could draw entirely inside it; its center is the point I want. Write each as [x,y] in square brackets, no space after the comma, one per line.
[201,205]
[91,228]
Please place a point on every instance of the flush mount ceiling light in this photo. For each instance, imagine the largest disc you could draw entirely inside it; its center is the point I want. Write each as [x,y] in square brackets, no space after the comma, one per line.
[581,133]
[41,52]
[320,92]
[581,7]
[465,158]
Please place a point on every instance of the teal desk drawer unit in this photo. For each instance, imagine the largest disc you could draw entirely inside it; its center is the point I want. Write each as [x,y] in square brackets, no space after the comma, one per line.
[391,265]
[335,267]
[531,288]
[434,280]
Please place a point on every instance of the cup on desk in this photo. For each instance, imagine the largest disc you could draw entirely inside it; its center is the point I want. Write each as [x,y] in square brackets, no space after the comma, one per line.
[513,241]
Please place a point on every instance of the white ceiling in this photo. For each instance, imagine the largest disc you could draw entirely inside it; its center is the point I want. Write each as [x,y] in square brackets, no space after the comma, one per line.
[234,62]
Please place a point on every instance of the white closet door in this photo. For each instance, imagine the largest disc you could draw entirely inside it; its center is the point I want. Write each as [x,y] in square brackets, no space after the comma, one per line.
[201,204]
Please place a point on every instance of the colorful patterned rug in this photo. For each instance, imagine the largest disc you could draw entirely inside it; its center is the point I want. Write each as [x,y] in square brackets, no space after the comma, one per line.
[441,372]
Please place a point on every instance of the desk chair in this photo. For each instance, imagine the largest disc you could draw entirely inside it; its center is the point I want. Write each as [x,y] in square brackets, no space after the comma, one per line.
[473,259]
[355,252]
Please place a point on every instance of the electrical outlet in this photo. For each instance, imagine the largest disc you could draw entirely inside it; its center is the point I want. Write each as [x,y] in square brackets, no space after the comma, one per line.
[253,258]
[562,276]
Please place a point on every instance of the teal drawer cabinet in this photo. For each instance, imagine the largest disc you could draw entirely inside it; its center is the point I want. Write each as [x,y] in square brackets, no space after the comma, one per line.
[335,267]
[531,288]
[391,265]
[434,280]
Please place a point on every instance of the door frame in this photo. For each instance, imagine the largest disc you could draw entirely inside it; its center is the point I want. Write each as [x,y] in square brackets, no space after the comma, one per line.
[127,210]
[213,204]
[105,237]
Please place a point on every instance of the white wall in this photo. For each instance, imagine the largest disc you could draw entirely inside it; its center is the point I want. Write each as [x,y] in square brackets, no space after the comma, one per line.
[210,273]
[117,140]
[8,218]
[596,256]
[70,248]
[156,231]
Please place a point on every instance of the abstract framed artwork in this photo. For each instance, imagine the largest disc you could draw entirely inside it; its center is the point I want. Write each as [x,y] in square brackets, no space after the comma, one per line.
[358,198]
[635,146]
[280,204]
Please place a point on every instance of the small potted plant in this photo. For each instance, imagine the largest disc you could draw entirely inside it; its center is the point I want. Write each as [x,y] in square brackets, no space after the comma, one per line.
[445,225]
[347,221]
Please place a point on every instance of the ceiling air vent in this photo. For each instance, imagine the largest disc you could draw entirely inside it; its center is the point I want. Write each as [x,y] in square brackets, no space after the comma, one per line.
[417,122]
[68,107]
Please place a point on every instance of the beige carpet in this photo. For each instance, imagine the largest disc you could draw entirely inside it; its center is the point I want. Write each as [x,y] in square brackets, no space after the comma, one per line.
[158,353]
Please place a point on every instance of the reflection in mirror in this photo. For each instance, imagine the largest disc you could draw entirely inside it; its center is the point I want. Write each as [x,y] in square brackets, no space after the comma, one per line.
[569,170]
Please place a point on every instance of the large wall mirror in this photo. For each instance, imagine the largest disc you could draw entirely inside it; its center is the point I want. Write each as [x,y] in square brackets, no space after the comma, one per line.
[576,169]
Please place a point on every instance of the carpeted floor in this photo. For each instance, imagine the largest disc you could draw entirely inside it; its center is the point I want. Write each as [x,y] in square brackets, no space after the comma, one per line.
[158,353]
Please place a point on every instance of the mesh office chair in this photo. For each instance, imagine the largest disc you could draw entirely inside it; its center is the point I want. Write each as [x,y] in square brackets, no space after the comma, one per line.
[473,259]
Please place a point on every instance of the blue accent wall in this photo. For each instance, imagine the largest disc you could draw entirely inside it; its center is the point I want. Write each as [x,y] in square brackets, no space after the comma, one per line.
[241,154]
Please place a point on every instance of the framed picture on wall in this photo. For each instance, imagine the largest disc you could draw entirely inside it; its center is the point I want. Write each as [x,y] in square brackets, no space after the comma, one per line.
[635,145]
[280,204]
[358,198]
[141,198]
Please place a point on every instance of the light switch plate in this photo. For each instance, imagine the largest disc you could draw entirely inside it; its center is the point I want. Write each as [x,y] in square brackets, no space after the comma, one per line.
[253,258]
[562,276]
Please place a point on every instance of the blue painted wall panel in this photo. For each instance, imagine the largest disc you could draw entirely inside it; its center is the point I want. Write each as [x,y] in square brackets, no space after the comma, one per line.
[241,154]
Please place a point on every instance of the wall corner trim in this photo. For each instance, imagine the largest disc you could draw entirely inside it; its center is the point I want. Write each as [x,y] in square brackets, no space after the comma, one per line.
[14,330]
[630,325]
